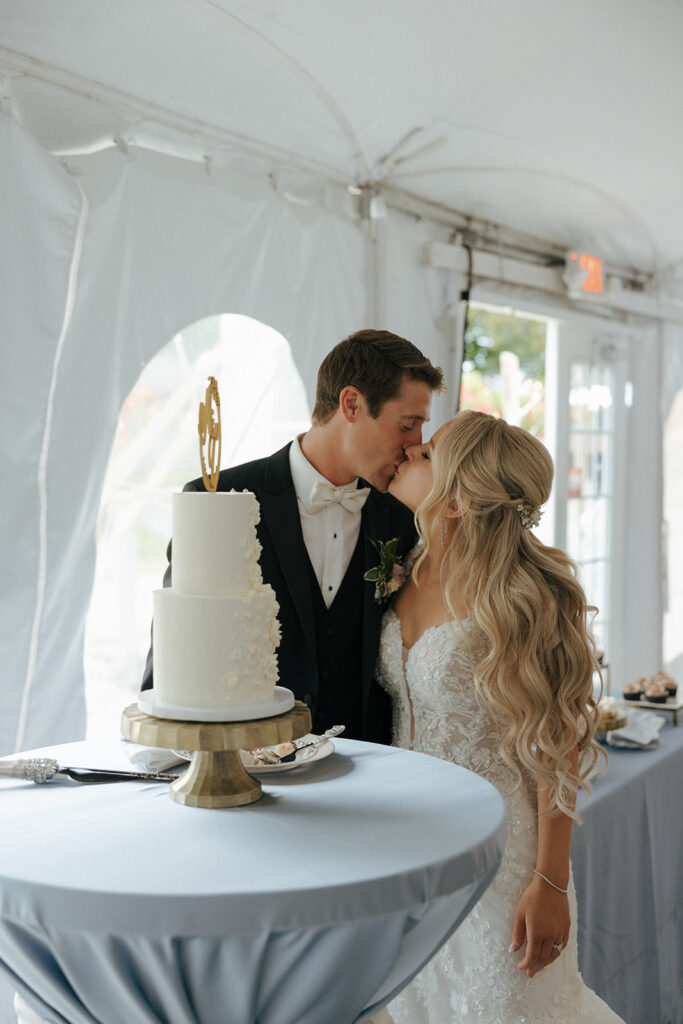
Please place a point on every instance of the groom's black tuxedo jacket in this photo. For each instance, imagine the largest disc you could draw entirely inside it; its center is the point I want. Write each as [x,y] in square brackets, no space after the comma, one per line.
[326,656]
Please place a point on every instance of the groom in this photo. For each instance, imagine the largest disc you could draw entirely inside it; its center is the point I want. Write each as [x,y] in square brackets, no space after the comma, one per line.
[319,516]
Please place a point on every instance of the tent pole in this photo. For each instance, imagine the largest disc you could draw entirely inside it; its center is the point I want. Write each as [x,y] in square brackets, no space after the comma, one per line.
[372,210]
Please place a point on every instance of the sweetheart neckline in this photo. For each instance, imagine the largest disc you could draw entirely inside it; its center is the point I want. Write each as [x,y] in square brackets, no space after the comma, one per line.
[429,629]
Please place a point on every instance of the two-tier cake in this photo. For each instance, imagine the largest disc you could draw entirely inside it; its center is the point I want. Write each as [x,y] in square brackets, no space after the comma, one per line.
[215,629]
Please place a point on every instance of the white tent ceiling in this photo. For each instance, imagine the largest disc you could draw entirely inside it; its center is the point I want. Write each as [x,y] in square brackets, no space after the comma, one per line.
[560,120]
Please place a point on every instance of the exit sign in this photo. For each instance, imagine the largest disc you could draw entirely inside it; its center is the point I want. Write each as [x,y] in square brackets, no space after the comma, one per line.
[585,271]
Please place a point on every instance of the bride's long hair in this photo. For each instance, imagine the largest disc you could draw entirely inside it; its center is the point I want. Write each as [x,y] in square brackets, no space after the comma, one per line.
[538,675]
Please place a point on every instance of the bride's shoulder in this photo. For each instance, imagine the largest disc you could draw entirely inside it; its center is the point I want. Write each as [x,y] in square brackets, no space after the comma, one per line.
[412,556]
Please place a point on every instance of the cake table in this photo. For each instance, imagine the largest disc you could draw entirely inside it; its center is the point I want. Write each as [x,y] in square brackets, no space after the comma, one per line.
[311,906]
[216,776]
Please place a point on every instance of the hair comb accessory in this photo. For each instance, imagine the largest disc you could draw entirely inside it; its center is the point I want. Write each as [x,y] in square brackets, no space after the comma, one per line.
[529,516]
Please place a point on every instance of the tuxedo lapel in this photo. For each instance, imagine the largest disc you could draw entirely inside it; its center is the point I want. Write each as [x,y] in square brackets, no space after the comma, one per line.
[280,512]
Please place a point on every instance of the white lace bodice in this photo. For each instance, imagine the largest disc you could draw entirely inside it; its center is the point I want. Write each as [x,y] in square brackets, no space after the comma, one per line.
[436,711]
[473,978]
[435,706]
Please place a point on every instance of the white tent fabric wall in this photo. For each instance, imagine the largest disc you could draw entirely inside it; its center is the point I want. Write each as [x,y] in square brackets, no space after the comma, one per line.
[40,210]
[414,301]
[643,597]
[672,366]
[153,262]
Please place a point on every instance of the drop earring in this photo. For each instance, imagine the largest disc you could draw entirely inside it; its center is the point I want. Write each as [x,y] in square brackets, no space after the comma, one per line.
[444,529]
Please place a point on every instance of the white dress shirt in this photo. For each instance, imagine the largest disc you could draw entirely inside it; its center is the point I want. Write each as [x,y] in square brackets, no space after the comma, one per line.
[330,535]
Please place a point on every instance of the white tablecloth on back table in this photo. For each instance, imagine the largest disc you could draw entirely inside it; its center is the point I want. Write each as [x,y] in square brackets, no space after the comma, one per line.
[312,906]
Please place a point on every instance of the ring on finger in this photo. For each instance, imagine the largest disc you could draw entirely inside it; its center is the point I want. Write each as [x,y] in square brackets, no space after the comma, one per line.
[558,946]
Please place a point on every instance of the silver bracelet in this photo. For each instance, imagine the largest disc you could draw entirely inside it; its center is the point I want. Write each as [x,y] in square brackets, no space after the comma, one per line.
[564,891]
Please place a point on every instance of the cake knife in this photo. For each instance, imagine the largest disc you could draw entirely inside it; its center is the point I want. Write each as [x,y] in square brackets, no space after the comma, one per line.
[42,769]
[336,730]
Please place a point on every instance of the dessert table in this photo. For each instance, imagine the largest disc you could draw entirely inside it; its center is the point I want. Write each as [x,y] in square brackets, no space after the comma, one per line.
[312,906]
[627,859]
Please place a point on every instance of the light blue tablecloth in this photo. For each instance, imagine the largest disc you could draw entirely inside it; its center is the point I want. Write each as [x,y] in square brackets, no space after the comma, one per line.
[312,906]
[627,859]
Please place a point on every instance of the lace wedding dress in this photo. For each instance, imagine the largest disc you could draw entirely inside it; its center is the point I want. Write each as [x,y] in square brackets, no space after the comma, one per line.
[473,977]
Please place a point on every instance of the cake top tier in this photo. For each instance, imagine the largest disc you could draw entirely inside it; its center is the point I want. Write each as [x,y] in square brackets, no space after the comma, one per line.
[215,547]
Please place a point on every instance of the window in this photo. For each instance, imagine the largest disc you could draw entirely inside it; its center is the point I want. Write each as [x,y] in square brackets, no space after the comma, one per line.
[589,483]
[155,452]
[504,373]
[589,367]
[504,366]
[565,383]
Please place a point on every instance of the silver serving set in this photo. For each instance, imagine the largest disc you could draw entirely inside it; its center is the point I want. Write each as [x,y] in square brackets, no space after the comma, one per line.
[42,769]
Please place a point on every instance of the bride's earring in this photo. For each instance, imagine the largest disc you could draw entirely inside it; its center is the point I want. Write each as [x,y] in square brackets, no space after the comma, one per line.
[444,528]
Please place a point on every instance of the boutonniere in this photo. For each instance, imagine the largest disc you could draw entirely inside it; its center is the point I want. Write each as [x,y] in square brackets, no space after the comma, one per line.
[389,575]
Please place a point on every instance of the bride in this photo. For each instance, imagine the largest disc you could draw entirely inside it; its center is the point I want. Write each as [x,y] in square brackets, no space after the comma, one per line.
[488,660]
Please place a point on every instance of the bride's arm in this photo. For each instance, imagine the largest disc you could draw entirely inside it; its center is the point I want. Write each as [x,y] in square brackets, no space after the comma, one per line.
[542,915]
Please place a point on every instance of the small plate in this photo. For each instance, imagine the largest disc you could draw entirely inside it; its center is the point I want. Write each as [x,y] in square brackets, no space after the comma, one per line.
[303,759]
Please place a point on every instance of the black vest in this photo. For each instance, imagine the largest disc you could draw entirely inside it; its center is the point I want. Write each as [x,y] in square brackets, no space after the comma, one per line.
[339,634]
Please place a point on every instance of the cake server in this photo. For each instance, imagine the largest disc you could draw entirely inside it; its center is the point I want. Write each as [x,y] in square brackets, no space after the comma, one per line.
[42,769]
[336,730]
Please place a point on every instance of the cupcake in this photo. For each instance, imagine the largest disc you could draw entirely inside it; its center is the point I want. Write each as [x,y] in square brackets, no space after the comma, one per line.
[667,681]
[634,691]
[655,692]
[610,715]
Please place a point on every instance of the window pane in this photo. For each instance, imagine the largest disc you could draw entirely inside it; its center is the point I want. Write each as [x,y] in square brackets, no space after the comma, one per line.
[590,483]
[593,576]
[588,464]
[587,532]
[504,367]
[590,397]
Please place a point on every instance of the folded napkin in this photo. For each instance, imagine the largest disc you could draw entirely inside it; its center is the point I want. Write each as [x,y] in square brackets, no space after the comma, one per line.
[150,759]
[641,731]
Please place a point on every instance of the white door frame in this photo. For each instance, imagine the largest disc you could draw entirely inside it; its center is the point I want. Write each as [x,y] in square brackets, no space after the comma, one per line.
[607,344]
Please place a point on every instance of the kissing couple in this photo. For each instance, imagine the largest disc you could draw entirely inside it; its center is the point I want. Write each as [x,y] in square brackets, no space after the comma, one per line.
[482,657]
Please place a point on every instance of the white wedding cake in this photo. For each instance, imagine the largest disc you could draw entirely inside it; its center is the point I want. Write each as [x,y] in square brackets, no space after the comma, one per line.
[216,628]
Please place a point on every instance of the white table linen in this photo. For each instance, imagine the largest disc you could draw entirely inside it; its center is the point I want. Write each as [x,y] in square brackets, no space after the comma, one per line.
[312,906]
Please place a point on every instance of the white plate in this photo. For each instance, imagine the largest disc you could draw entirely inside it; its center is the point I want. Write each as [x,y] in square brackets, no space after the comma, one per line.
[306,758]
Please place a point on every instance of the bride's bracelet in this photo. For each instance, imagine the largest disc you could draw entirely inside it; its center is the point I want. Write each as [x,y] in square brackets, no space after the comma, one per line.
[541,875]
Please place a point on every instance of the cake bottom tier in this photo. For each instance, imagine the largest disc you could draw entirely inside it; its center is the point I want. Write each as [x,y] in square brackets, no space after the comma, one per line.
[215,651]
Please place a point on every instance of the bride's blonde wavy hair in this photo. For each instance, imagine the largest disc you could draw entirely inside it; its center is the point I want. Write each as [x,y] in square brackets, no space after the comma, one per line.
[538,675]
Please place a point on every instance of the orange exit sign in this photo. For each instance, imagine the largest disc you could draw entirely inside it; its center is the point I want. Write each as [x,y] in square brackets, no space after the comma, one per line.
[591,271]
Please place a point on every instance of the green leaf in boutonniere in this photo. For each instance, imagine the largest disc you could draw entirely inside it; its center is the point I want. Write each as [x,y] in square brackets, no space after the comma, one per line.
[389,575]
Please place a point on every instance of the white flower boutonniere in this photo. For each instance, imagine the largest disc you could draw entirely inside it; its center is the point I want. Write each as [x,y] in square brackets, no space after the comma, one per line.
[389,575]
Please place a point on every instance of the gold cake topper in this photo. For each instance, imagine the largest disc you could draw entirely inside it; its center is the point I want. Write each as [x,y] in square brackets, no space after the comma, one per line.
[210,435]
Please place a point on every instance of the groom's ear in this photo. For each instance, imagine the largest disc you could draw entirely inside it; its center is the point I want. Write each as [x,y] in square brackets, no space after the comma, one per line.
[351,403]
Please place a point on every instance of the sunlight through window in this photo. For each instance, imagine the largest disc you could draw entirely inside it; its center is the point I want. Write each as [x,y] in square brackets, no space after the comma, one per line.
[155,452]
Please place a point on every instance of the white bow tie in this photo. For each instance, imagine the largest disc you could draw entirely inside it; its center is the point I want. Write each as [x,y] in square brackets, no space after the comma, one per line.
[325,494]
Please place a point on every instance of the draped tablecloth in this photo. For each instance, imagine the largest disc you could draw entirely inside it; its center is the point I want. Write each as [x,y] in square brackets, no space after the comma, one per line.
[627,859]
[313,906]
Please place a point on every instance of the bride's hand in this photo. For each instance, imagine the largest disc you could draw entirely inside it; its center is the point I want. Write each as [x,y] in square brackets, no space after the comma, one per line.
[542,918]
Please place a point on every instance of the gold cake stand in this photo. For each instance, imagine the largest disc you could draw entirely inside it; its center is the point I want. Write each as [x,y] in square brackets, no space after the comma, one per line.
[216,776]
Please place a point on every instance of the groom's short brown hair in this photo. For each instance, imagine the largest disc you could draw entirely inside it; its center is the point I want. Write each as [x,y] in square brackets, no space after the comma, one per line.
[375,362]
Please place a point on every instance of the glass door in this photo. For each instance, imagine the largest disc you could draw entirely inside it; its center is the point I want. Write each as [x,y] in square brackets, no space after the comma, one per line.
[590,385]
